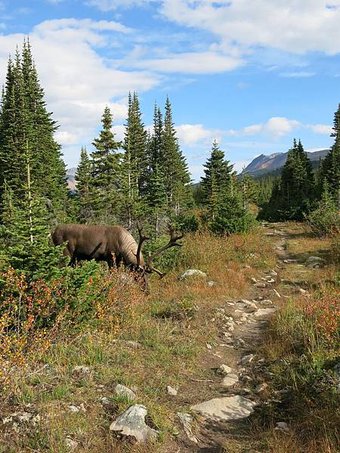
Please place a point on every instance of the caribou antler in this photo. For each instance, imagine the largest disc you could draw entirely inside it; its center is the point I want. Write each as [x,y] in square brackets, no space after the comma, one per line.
[172,243]
[142,239]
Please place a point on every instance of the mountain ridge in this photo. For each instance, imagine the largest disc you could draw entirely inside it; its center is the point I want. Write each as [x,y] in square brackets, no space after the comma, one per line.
[263,164]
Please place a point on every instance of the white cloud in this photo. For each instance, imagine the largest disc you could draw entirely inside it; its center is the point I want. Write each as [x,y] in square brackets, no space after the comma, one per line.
[111,5]
[208,62]
[290,25]
[298,74]
[276,126]
[192,134]
[323,129]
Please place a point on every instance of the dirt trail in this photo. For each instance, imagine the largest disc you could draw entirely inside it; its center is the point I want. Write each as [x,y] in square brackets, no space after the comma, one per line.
[241,326]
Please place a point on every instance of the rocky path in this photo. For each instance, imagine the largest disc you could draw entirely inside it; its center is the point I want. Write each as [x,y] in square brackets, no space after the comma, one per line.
[235,390]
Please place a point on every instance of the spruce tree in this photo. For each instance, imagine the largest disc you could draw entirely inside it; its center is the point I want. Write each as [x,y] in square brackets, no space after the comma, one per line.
[26,123]
[174,166]
[25,232]
[218,174]
[330,166]
[135,161]
[105,171]
[226,210]
[297,184]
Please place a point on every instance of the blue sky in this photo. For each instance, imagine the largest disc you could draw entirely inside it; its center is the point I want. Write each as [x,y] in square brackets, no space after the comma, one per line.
[251,74]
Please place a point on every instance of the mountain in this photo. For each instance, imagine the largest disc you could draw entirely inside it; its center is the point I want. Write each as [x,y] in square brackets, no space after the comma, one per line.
[267,164]
[70,178]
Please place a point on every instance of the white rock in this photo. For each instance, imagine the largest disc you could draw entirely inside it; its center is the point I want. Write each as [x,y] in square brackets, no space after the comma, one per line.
[132,423]
[81,370]
[209,346]
[282,426]
[225,369]
[133,344]
[226,408]
[315,262]
[171,390]
[211,283]
[230,380]
[121,390]
[187,420]
[261,387]
[70,443]
[260,285]
[192,273]
[247,359]
[74,408]
[262,312]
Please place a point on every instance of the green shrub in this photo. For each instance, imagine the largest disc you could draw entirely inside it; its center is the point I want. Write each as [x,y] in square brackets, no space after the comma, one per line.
[325,219]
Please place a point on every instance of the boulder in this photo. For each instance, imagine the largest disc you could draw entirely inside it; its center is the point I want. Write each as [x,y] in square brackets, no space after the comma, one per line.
[226,408]
[132,423]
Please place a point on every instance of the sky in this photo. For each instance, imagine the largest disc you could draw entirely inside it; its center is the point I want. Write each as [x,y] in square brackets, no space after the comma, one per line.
[251,74]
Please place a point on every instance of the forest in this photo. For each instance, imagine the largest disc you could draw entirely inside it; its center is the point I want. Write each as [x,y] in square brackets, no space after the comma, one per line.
[142,180]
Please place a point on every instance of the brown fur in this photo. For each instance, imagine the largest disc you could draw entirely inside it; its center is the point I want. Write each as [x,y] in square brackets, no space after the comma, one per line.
[112,244]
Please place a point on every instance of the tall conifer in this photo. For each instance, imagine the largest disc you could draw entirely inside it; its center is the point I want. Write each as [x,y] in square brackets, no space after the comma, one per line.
[105,171]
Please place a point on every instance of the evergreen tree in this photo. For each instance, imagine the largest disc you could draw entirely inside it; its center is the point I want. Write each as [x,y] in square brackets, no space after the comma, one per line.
[218,175]
[226,210]
[174,166]
[25,232]
[105,171]
[135,161]
[26,126]
[84,195]
[330,166]
[294,196]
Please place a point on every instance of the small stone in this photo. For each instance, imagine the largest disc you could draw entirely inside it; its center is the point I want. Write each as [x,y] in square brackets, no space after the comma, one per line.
[73,408]
[225,369]
[81,370]
[171,390]
[209,346]
[261,387]
[121,390]
[238,314]
[70,443]
[187,420]
[192,273]
[240,343]
[260,285]
[230,380]
[315,262]
[270,280]
[211,283]
[282,426]
[247,359]
[253,280]
[24,417]
[132,423]
[133,344]
[105,400]
[264,312]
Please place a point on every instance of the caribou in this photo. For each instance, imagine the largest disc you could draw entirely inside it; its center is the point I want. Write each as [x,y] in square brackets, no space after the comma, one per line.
[113,244]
